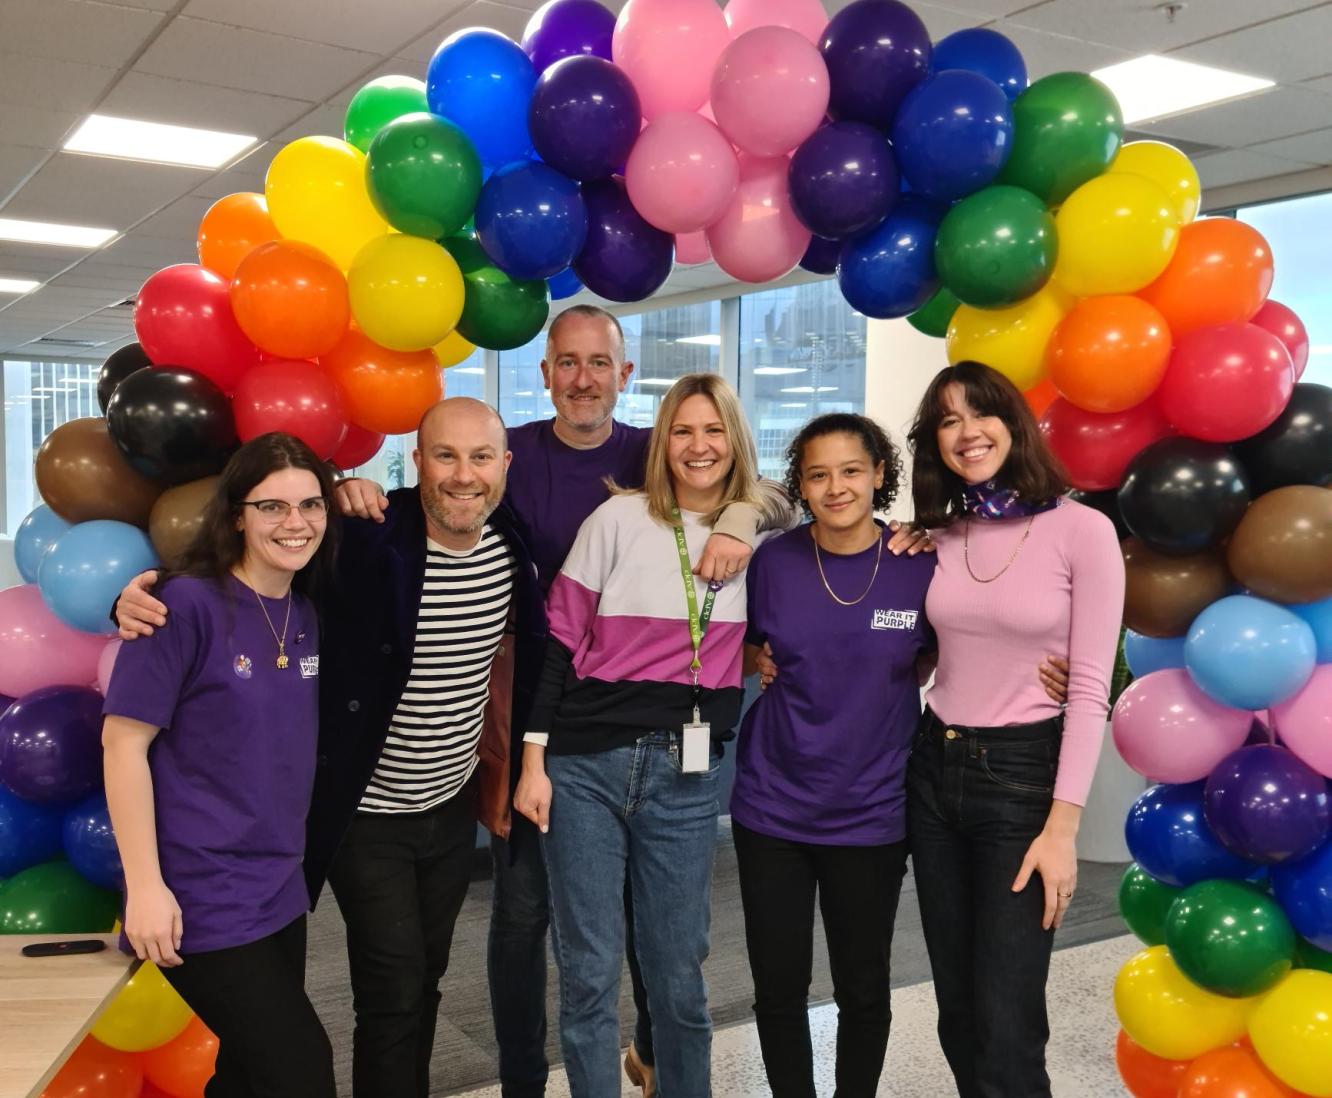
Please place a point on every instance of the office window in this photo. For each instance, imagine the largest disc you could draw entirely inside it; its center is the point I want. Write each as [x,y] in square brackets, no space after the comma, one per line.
[468,378]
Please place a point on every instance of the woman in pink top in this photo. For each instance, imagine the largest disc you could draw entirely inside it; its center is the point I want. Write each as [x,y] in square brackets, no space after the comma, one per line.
[998,775]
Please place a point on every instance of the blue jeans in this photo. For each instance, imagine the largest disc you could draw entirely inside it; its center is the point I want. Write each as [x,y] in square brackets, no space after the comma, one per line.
[631,813]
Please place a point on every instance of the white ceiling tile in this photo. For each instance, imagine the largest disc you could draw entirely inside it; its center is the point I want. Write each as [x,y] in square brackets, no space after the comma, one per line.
[323,121]
[943,21]
[1240,166]
[149,5]
[53,85]
[1309,148]
[1049,53]
[1277,112]
[989,9]
[36,127]
[90,190]
[379,27]
[76,30]
[481,13]
[179,219]
[184,103]
[16,164]
[1290,48]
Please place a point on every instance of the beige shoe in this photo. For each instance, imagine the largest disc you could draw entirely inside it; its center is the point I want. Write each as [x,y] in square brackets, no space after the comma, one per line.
[642,1075]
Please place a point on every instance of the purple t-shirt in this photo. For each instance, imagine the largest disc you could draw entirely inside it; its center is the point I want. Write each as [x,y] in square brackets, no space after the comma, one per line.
[234,764]
[822,753]
[553,487]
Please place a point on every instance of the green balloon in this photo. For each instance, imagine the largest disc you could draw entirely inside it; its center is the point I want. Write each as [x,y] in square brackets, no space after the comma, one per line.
[53,898]
[499,312]
[377,104]
[423,175]
[996,247]
[1144,902]
[1230,937]
[1308,955]
[1067,128]
[932,318]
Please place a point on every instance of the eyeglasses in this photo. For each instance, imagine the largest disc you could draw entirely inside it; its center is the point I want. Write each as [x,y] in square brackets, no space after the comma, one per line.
[273,511]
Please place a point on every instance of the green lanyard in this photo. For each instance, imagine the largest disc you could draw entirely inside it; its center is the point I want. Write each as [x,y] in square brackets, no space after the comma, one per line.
[698,622]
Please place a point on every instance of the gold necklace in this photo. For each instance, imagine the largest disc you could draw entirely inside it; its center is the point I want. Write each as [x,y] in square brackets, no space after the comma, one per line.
[282,661]
[873,575]
[966,556]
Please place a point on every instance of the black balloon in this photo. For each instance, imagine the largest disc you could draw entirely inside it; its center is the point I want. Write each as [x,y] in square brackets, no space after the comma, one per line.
[172,424]
[118,366]
[1107,503]
[1181,495]
[1297,448]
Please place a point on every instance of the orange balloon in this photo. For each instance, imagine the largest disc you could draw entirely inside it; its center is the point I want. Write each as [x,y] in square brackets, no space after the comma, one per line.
[1040,396]
[1231,1072]
[1109,353]
[183,1065]
[290,299]
[232,228]
[383,390]
[1220,274]
[1145,1075]
[95,1071]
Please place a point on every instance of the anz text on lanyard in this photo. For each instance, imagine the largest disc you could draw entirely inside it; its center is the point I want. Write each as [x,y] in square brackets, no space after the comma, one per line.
[696,747]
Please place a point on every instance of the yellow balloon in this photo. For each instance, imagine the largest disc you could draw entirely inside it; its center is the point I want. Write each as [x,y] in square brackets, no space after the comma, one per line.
[1291,1029]
[1168,1014]
[453,349]
[1013,339]
[1168,168]
[145,1014]
[406,292]
[1117,233]
[316,194]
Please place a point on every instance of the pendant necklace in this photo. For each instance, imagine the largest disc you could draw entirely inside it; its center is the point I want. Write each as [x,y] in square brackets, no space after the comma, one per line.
[282,661]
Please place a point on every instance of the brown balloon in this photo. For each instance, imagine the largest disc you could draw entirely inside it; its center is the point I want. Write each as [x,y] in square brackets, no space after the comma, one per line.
[83,476]
[1163,594]
[1282,548]
[177,516]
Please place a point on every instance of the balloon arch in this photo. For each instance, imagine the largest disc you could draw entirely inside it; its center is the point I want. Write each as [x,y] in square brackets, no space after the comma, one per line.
[1008,219]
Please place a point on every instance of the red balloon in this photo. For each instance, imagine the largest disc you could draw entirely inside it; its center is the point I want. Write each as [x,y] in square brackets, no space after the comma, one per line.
[1040,396]
[296,397]
[95,1071]
[1145,1075]
[1226,382]
[183,318]
[1282,322]
[357,448]
[1096,447]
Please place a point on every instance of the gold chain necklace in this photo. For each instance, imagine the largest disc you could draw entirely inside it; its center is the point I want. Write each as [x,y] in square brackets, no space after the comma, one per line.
[873,575]
[966,556]
[282,661]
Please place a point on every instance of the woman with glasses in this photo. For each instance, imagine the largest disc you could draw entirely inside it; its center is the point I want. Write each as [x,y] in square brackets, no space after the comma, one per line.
[209,751]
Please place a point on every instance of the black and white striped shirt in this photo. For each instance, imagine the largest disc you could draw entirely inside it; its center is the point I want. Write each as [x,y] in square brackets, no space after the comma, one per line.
[430,751]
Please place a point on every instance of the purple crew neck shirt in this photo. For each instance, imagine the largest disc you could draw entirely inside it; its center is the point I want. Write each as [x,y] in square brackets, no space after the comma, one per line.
[823,752]
[234,764]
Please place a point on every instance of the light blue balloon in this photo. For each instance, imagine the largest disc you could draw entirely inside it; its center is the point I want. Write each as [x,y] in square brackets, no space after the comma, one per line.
[35,535]
[1319,616]
[84,571]
[1147,654]
[1249,653]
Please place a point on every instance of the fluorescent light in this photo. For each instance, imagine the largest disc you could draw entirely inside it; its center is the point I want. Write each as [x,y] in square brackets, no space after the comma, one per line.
[47,232]
[703,340]
[129,139]
[664,382]
[794,404]
[1152,86]
[17,285]
[811,389]
[774,371]
[469,369]
[524,393]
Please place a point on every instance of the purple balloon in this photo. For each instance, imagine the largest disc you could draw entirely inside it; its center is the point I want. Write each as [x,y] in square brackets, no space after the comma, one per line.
[876,52]
[568,28]
[51,744]
[844,180]
[584,117]
[1266,805]
[822,255]
[625,258]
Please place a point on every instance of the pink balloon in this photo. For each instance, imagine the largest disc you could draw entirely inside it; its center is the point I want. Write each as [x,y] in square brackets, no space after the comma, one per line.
[770,90]
[1282,322]
[1304,722]
[106,663]
[37,649]
[1170,731]
[759,236]
[681,173]
[668,49]
[805,16]
[692,249]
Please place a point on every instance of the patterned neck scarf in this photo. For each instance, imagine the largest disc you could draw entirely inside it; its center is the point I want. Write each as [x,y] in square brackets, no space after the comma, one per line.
[992,500]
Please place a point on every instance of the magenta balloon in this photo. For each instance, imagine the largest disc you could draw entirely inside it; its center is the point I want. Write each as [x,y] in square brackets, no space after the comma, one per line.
[1304,723]
[37,649]
[682,173]
[668,48]
[692,249]
[769,90]
[1282,322]
[805,16]
[759,236]
[1170,731]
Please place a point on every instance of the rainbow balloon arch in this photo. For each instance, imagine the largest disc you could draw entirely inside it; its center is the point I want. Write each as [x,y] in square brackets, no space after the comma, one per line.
[1007,219]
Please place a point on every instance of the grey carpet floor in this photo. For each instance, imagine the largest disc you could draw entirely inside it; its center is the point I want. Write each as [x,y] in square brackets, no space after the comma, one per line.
[464,1054]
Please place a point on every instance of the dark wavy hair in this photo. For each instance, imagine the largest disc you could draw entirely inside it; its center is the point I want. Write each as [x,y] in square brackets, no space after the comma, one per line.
[219,546]
[1031,470]
[872,437]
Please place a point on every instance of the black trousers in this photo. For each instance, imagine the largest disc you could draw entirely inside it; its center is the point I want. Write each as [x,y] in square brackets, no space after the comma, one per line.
[858,889]
[271,1042]
[400,880]
[976,798]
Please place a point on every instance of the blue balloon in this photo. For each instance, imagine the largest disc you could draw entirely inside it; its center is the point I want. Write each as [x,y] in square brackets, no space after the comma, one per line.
[1304,890]
[890,272]
[1167,834]
[564,284]
[953,134]
[83,573]
[984,51]
[1147,654]
[1319,616]
[1249,653]
[35,535]
[29,833]
[531,220]
[90,844]
[483,82]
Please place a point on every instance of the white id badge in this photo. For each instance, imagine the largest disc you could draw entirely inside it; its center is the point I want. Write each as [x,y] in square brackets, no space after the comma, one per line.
[696,748]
